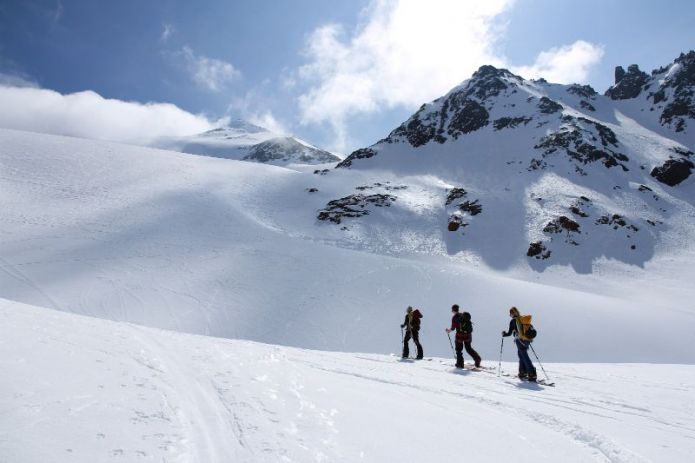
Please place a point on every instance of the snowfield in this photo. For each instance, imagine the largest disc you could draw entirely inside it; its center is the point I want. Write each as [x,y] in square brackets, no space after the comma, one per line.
[79,389]
[234,249]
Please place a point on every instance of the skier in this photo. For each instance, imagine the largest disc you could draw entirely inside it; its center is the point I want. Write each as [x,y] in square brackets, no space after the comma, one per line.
[517,328]
[461,323]
[412,326]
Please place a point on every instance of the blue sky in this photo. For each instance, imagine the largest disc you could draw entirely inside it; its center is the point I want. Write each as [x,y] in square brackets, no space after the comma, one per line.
[338,73]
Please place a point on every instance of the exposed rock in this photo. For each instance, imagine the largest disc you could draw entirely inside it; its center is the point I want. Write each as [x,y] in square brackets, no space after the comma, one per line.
[470,117]
[548,106]
[681,151]
[321,172]
[627,84]
[472,207]
[454,194]
[455,223]
[538,250]
[585,91]
[560,224]
[312,190]
[682,85]
[353,206]
[673,171]
[510,122]
[615,220]
[586,105]
[576,140]
[362,153]
[288,149]
[576,211]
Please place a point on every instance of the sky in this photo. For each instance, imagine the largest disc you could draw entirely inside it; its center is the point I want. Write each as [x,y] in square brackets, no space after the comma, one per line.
[341,74]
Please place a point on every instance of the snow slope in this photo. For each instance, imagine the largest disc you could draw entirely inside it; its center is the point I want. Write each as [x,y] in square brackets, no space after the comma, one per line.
[557,174]
[79,389]
[232,249]
[242,140]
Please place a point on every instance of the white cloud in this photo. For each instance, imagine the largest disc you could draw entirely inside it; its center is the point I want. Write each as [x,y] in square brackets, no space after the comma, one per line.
[567,64]
[89,115]
[209,73]
[167,31]
[406,52]
[267,120]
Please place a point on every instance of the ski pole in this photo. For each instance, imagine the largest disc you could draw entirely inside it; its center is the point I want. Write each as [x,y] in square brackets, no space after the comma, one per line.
[539,362]
[452,345]
[499,365]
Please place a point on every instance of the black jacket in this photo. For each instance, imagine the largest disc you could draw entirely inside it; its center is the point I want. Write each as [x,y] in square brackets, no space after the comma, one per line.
[513,329]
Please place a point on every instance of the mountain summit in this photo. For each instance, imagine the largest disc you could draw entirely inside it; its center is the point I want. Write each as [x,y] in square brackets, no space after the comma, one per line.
[242,140]
[582,176]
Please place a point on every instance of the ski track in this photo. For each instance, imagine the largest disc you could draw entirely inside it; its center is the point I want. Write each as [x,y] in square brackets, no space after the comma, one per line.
[184,398]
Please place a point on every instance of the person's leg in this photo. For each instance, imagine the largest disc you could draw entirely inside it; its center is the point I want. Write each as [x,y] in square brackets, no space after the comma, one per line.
[522,361]
[472,353]
[416,339]
[530,369]
[459,354]
[406,349]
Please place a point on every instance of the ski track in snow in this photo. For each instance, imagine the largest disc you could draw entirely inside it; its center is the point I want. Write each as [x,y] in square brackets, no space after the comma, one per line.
[105,391]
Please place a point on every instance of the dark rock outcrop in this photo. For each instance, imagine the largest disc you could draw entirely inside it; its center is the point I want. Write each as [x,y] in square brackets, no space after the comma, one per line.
[353,206]
[538,250]
[472,207]
[627,84]
[548,106]
[560,224]
[585,91]
[362,153]
[454,194]
[682,85]
[510,122]
[673,171]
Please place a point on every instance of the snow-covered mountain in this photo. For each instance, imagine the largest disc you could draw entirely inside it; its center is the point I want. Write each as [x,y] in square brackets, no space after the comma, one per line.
[244,141]
[573,206]
[557,173]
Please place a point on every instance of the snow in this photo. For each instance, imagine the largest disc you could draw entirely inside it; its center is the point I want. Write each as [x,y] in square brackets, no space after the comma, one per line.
[233,249]
[240,140]
[80,389]
[158,306]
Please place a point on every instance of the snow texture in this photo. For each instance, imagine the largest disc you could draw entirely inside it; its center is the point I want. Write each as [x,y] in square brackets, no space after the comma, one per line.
[79,389]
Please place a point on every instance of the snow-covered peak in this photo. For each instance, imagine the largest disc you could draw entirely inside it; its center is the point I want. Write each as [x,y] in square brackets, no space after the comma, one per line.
[242,140]
[669,92]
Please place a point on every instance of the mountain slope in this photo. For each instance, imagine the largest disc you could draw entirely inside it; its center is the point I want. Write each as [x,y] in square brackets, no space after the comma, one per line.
[227,248]
[556,173]
[78,389]
[241,140]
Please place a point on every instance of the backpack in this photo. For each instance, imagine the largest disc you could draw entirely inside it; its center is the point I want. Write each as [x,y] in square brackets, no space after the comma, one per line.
[415,317]
[465,322]
[526,330]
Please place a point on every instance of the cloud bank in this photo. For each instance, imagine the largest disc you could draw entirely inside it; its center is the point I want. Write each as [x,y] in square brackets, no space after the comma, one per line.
[89,115]
[405,53]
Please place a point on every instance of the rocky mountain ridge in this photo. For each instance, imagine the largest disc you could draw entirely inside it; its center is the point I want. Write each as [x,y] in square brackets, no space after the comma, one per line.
[581,176]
